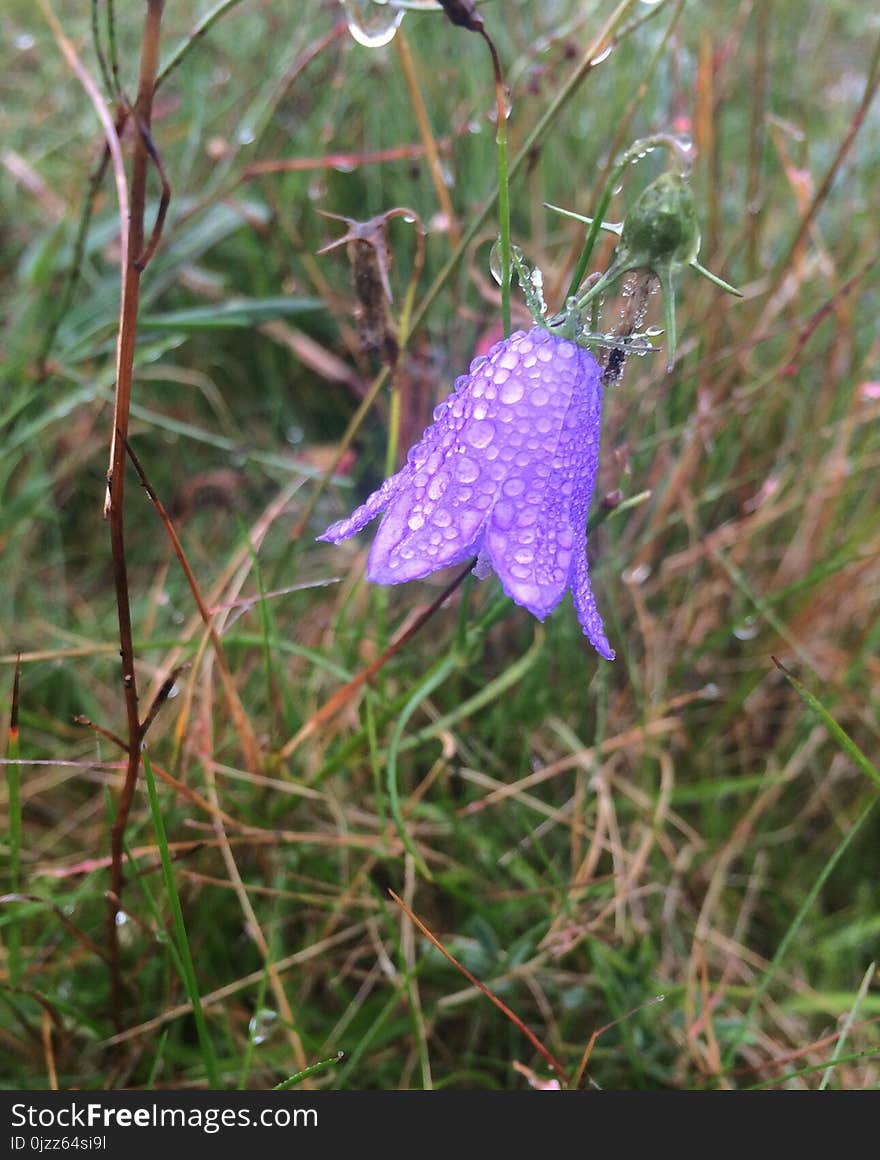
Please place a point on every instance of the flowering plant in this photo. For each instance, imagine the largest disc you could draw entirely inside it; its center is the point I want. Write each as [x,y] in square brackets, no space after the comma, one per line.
[506,471]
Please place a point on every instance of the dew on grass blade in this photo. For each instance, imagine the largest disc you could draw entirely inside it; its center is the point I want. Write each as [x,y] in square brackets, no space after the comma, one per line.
[370,24]
[637,575]
[262,1024]
[747,629]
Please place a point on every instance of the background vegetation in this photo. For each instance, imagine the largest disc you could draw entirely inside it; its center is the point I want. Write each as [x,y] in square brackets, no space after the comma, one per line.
[680,823]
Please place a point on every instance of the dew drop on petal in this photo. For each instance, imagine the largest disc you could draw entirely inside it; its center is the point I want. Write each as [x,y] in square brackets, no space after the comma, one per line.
[437,486]
[511,391]
[479,433]
[467,469]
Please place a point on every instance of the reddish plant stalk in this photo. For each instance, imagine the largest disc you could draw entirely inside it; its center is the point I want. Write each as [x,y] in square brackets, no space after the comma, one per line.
[114,502]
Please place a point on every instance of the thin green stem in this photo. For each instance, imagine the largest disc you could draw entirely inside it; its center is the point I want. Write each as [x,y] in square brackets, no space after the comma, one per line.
[605,37]
[503,183]
[13,784]
[789,935]
[423,690]
[504,226]
[181,939]
[641,146]
[99,49]
[201,28]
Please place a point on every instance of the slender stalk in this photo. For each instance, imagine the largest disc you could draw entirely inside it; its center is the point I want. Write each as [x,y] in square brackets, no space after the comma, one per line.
[756,138]
[425,132]
[190,980]
[500,1004]
[198,31]
[503,184]
[605,182]
[607,35]
[114,502]
[13,785]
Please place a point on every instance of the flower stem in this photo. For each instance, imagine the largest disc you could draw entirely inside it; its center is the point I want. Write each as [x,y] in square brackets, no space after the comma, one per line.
[503,184]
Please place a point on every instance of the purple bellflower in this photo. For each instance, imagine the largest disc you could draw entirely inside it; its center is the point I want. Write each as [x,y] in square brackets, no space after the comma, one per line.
[504,473]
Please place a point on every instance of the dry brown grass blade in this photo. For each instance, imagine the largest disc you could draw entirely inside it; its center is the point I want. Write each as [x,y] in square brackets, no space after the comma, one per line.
[512,1016]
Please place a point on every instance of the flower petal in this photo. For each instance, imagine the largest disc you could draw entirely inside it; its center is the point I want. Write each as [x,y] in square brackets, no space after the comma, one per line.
[587,612]
[407,549]
[437,517]
[541,514]
[369,509]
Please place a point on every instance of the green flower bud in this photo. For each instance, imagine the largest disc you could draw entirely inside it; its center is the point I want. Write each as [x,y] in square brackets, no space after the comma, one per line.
[660,234]
[661,229]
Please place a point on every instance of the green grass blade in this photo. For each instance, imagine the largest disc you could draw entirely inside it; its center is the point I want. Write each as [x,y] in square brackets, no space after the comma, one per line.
[13,783]
[842,738]
[223,315]
[847,1025]
[180,936]
[308,1072]
[423,690]
[793,929]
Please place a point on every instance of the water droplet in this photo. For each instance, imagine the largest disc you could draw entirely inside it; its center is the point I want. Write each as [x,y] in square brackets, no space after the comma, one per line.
[479,433]
[370,24]
[508,109]
[603,55]
[24,41]
[747,629]
[121,918]
[495,263]
[173,692]
[262,1024]
[637,575]
[294,434]
[649,3]
[537,280]
[654,331]
[245,135]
